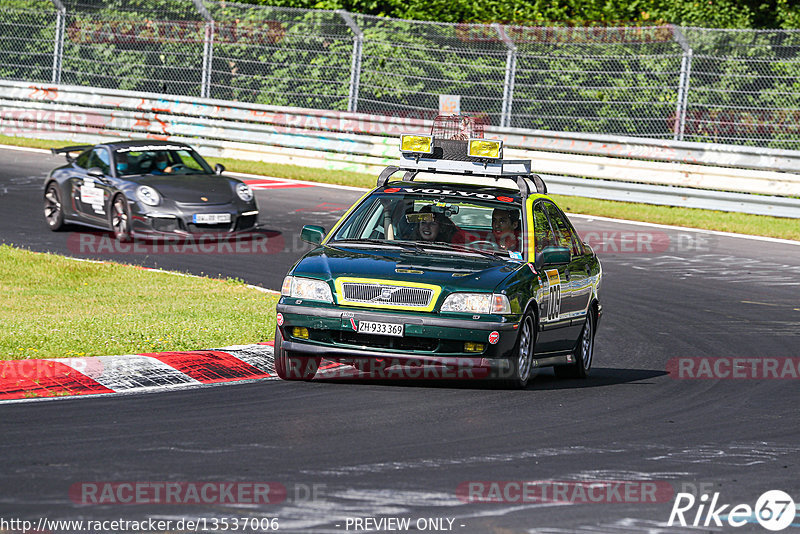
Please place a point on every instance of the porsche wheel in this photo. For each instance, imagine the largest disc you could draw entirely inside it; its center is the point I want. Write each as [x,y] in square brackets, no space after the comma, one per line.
[582,354]
[289,367]
[53,210]
[121,219]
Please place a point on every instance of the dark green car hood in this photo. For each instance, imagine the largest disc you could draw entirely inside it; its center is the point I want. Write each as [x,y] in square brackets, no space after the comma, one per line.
[444,268]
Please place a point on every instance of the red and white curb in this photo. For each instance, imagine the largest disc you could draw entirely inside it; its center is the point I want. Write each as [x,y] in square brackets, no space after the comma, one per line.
[141,373]
[58,377]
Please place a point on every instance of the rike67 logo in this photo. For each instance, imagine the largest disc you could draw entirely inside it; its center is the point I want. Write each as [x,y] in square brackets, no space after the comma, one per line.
[774,510]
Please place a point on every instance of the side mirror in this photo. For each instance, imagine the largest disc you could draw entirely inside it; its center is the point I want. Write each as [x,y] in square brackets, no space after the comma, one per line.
[96,172]
[312,234]
[553,256]
[219,168]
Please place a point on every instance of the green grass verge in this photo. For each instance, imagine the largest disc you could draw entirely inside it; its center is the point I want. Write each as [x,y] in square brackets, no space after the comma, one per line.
[53,307]
[31,143]
[295,172]
[723,221]
[691,218]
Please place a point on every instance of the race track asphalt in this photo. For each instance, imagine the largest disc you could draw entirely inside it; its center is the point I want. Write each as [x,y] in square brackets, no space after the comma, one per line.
[376,449]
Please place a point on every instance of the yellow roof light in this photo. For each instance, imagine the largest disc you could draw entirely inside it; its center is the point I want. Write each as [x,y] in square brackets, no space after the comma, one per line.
[486,148]
[420,144]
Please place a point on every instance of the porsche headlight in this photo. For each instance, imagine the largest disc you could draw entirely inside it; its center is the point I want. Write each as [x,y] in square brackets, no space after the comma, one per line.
[483,303]
[306,288]
[148,195]
[244,192]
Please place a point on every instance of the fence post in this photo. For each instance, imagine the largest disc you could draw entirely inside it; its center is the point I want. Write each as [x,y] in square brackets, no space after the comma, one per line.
[208,49]
[355,65]
[683,84]
[58,46]
[508,84]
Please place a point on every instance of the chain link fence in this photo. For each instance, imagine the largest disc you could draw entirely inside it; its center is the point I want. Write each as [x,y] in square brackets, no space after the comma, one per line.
[693,84]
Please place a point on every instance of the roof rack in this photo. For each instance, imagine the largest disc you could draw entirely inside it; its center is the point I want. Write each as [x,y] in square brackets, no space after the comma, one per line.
[526,182]
[470,156]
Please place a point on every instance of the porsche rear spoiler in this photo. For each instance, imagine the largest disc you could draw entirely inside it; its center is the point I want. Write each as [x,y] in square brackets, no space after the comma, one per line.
[68,149]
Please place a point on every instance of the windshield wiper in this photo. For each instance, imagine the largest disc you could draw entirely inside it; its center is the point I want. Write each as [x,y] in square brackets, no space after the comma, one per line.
[410,245]
[460,248]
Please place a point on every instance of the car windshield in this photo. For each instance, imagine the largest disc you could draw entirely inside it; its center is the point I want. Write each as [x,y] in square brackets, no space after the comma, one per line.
[147,160]
[481,222]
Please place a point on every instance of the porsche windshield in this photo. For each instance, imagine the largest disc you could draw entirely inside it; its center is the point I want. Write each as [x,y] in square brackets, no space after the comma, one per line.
[168,162]
[490,225]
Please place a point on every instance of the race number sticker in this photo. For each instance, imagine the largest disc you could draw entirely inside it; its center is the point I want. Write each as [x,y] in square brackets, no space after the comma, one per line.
[554,300]
[92,196]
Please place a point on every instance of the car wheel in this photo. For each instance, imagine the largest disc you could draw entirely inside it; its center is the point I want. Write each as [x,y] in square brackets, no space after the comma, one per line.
[121,219]
[582,354]
[522,364]
[289,367]
[53,210]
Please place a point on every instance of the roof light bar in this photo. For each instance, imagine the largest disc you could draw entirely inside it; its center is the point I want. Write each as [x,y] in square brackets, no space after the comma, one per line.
[416,143]
[485,148]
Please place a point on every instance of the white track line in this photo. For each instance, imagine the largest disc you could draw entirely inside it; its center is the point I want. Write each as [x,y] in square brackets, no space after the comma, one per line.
[26,149]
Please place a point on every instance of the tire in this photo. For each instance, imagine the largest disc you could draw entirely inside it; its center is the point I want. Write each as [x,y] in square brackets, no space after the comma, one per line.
[120,219]
[53,208]
[289,367]
[522,364]
[583,353]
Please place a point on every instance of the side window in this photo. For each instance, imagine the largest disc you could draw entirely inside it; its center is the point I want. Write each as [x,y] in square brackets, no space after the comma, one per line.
[541,229]
[365,223]
[100,158]
[577,242]
[82,161]
[563,230]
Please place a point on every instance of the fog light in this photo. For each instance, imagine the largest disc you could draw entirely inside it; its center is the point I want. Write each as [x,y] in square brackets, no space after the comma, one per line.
[300,332]
[469,346]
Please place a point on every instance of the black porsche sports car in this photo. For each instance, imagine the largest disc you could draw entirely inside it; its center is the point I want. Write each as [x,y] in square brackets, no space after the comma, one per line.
[146,189]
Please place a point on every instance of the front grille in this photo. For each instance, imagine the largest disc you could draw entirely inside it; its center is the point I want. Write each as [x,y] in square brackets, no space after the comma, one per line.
[246,222]
[385,342]
[165,225]
[202,228]
[366,293]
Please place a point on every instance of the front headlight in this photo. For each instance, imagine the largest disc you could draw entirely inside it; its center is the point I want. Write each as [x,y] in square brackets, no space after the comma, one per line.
[148,195]
[306,288]
[244,192]
[483,303]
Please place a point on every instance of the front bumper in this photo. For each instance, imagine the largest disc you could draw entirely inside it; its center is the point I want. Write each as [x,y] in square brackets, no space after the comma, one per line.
[178,219]
[428,338]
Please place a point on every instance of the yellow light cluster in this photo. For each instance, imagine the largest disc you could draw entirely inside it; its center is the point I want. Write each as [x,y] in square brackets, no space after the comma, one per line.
[300,332]
[485,148]
[469,346]
[420,144]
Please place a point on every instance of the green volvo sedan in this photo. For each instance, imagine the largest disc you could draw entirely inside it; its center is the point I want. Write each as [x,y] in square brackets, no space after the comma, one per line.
[457,261]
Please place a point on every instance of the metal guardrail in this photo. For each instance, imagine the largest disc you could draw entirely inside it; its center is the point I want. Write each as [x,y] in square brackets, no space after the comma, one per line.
[662,81]
[639,170]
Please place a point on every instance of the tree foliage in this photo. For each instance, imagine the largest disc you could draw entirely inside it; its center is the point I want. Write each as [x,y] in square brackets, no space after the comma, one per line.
[756,14]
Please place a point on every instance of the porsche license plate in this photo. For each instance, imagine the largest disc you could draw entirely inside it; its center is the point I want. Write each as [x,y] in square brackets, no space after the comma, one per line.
[211,218]
[383,329]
